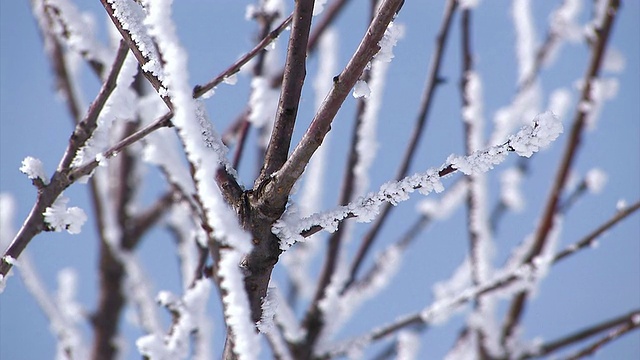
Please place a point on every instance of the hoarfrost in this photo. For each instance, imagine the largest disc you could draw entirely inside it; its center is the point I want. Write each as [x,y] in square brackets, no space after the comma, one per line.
[511,194]
[529,139]
[408,345]
[34,169]
[59,217]
[595,180]
[525,37]
[392,34]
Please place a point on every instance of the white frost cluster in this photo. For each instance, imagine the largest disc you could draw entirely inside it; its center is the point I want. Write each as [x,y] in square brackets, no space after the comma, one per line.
[237,309]
[131,16]
[388,41]
[525,37]
[602,89]
[34,169]
[530,139]
[191,309]
[59,217]
[595,180]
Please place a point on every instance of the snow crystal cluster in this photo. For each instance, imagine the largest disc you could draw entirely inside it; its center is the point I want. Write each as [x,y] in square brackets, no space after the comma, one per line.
[59,217]
[34,169]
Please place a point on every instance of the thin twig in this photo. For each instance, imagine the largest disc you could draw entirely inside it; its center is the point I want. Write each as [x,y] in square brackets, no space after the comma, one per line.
[623,323]
[200,90]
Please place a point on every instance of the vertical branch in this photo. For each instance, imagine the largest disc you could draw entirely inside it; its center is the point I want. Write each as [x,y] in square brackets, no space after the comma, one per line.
[294,75]
[575,136]
[476,221]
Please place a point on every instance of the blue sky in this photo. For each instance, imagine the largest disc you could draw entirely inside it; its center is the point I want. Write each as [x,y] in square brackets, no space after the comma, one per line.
[592,286]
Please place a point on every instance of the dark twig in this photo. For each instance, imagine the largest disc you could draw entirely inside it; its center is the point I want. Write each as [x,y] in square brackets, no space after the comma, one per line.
[433,80]
[575,136]
[620,325]
[200,90]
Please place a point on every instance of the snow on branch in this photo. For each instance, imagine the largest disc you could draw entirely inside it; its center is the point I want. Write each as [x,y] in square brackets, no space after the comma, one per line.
[531,138]
[34,169]
[59,217]
[206,154]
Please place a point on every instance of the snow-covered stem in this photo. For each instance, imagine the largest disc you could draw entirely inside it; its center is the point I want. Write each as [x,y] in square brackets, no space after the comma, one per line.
[614,327]
[34,224]
[480,243]
[546,128]
[577,129]
[55,50]
[77,33]
[127,16]
[434,79]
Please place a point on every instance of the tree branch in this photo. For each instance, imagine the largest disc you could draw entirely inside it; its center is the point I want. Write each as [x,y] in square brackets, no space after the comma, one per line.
[282,182]
[34,224]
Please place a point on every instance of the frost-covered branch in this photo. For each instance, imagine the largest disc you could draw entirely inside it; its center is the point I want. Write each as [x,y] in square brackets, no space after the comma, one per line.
[35,222]
[528,140]
[128,18]
[545,225]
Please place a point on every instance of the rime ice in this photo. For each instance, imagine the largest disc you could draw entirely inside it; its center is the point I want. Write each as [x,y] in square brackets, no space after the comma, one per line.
[59,217]
[34,169]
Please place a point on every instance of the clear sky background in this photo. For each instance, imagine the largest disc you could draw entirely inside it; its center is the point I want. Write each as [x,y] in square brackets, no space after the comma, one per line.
[592,286]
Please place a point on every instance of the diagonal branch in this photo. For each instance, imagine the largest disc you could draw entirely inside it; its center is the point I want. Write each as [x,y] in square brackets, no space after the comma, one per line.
[625,323]
[34,224]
